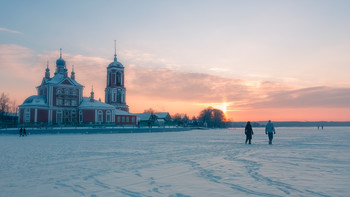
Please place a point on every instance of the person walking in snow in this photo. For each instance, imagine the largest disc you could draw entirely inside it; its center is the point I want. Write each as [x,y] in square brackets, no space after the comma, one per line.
[270,130]
[248,132]
[24,132]
[20,132]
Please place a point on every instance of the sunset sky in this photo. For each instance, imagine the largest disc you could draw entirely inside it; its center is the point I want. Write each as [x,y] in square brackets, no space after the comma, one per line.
[256,60]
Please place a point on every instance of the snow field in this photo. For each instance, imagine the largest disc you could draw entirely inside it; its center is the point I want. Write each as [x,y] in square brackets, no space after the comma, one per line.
[301,162]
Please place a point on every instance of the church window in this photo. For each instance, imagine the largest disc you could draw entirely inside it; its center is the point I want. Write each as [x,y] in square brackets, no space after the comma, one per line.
[99,116]
[80,116]
[127,119]
[109,78]
[74,113]
[66,102]
[108,116]
[59,102]
[132,119]
[118,119]
[74,92]
[59,91]
[27,115]
[74,102]
[59,116]
[115,78]
[119,97]
[123,119]
[119,77]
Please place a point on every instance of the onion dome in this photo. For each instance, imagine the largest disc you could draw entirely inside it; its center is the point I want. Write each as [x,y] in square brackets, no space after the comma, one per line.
[115,63]
[60,61]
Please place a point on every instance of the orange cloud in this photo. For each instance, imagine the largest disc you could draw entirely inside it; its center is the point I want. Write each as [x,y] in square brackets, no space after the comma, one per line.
[167,89]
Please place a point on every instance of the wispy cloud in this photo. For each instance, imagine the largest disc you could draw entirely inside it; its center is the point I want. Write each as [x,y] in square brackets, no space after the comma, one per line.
[149,84]
[9,30]
[327,97]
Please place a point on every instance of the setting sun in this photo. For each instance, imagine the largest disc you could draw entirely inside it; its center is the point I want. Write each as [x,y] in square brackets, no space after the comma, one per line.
[222,107]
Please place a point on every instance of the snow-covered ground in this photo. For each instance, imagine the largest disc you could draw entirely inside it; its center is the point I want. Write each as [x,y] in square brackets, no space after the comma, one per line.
[301,162]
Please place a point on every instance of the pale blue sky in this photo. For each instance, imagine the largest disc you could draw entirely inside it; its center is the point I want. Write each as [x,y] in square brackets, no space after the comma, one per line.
[262,39]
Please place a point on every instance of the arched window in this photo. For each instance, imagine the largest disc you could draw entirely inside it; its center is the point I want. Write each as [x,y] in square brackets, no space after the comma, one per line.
[119,97]
[114,99]
[59,117]
[109,78]
[74,115]
[58,91]
[80,116]
[108,116]
[119,78]
[99,116]
[27,115]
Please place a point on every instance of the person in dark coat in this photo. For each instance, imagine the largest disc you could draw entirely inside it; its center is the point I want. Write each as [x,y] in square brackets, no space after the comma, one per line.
[248,133]
[20,132]
[24,132]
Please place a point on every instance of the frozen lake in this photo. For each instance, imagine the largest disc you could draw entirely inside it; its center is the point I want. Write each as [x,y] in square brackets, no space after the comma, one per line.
[301,162]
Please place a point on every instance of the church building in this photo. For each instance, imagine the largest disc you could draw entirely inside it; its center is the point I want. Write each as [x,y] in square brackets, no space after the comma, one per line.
[60,100]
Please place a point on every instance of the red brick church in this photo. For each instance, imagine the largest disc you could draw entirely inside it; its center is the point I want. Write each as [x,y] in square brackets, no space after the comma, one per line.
[60,100]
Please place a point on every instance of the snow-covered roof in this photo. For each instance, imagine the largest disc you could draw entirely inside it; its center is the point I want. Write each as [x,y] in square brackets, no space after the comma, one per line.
[121,112]
[162,115]
[147,116]
[35,100]
[59,78]
[87,104]
[143,116]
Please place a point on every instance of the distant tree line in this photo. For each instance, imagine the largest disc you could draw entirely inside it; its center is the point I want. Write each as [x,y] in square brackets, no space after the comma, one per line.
[208,117]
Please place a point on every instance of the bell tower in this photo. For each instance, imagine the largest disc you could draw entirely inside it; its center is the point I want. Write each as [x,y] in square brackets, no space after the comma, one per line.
[115,92]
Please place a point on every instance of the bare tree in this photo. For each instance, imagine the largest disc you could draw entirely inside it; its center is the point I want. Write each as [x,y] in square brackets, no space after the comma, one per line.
[4,103]
[13,107]
[213,117]
[150,110]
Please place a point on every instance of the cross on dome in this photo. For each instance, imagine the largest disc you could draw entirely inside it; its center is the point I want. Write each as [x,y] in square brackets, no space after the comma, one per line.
[115,50]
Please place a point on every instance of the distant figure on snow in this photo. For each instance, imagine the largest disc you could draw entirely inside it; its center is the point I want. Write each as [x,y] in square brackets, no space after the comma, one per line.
[24,132]
[270,130]
[248,132]
[20,132]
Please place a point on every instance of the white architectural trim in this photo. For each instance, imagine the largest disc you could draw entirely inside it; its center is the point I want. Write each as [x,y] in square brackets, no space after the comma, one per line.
[36,115]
